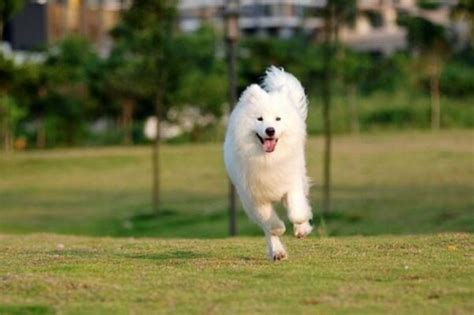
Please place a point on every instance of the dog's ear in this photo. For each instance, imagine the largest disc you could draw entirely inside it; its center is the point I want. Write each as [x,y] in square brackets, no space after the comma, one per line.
[254,95]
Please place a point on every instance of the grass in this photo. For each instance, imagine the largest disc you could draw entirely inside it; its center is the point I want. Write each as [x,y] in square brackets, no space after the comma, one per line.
[403,183]
[403,214]
[46,274]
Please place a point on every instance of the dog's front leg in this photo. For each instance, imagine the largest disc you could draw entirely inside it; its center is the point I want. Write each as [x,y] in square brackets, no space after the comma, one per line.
[276,250]
[299,212]
[273,228]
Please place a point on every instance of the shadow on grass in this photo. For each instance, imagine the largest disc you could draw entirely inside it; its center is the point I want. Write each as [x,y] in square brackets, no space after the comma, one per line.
[358,210]
[26,310]
[168,255]
[169,223]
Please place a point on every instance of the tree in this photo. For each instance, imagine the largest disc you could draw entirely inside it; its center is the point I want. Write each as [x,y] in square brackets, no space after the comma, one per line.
[122,69]
[7,76]
[10,114]
[30,91]
[335,13]
[200,70]
[62,84]
[354,68]
[8,8]
[147,28]
[429,43]
[464,12]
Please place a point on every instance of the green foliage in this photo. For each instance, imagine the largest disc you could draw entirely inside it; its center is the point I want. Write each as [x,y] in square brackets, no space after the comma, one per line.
[74,86]
[203,81]
[354,67]
[429,4]
[10,112]
[297,55]
[457,78]
[423,34]
[7,9]
[145,37]
[63,96]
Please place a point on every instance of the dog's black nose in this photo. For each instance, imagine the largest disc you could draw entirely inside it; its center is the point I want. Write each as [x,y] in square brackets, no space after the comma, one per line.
[270,131]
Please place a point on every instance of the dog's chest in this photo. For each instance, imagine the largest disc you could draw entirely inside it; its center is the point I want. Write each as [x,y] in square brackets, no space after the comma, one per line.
[268,181]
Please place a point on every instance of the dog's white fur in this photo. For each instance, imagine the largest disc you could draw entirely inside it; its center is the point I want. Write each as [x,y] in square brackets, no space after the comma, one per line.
[261,177]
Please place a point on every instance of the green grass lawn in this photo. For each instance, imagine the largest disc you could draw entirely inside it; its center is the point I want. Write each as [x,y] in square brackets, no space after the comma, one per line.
[45,274]
[403,217]
[404,183]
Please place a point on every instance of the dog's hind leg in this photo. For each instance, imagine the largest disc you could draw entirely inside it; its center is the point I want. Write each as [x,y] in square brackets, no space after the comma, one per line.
[299,212]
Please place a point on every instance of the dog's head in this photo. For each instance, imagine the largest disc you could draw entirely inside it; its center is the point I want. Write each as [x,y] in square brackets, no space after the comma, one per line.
[266,122]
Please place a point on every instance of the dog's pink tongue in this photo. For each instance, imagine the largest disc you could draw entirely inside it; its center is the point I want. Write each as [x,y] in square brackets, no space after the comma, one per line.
[269,145]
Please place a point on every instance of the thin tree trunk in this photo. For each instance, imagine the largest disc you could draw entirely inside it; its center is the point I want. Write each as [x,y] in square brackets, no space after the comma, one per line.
[156,154]
[232,64]
[326,95]
[40,133]
[101,25]
[435,102]
[162,76]
[5,132]
[65,21]
[128,106]
[8,138]
[1,29]
[83,23]
[354,113]
[3,122]
[156,193]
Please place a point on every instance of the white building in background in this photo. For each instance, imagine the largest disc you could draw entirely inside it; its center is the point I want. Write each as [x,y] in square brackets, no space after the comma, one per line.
[375,29]
[282,18]
[44,22]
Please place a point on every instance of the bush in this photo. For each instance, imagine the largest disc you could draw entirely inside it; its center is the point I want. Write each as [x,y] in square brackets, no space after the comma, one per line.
[457,80]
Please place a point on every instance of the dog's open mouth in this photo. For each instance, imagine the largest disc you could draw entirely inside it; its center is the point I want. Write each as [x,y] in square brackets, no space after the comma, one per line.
[268,144]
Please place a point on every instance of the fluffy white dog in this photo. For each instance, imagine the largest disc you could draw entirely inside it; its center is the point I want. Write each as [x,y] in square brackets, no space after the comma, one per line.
[264,156]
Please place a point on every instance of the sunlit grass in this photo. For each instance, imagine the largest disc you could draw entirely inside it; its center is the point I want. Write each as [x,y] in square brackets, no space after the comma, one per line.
[46,274]
[405,183]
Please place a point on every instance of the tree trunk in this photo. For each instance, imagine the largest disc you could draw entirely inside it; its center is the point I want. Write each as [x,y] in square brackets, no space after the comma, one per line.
[8,138]
[5,132]
[40,133]
[156,155]
[435,102]
[1,29]
[354,115]
[65,21]
[326,95]
[232,72]
[128,106]
[83,21]
[3,122]
[101,28]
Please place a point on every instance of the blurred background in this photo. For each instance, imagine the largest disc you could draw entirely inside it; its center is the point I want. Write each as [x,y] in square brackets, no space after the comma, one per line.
[82,83]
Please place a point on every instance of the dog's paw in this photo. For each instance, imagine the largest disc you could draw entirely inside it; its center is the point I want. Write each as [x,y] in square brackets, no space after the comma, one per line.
[303,229]
[279,255]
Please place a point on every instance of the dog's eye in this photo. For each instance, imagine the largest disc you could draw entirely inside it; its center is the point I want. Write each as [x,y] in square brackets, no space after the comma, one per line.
[278,119]
[260,118]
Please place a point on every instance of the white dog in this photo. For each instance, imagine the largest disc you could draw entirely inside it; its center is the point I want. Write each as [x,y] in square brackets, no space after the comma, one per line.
[264,156]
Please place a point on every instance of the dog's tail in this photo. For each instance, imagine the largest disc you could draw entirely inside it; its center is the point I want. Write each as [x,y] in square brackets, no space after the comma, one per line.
[278,79]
